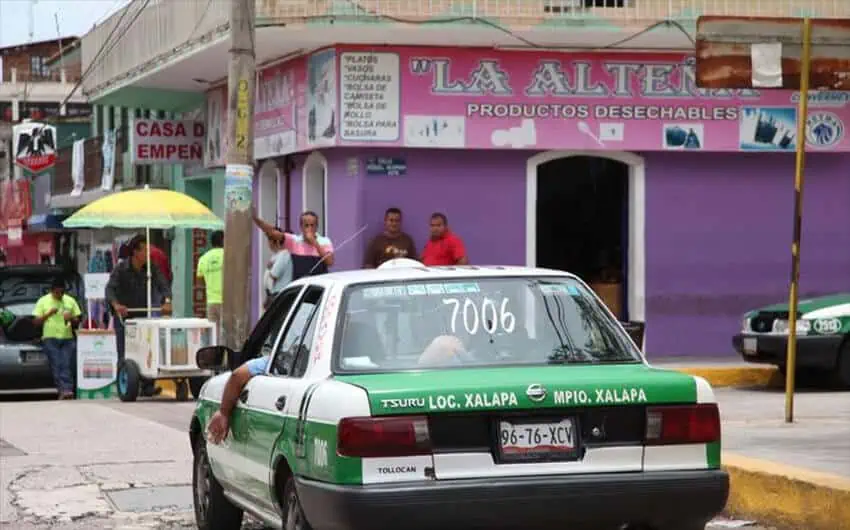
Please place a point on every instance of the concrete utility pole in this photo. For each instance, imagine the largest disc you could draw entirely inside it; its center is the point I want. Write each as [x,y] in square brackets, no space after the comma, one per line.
[239,175]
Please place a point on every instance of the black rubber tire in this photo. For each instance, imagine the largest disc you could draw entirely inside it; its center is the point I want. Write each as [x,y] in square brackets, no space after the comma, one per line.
[842,369]
[195,385]
[129,369]
[219,513]
[293,513]
[181,389]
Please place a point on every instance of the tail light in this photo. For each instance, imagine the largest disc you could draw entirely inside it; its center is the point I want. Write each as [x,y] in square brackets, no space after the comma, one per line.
[384,436]
[690,424]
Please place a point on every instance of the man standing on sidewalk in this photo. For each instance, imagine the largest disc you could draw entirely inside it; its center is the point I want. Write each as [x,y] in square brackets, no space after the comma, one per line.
[209,271]
[391,244]
[57,312]
[444,247]
[127,294]
[311,252]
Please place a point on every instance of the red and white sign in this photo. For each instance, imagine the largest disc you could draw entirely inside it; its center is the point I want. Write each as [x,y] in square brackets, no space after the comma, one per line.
[34,146]
[167,142]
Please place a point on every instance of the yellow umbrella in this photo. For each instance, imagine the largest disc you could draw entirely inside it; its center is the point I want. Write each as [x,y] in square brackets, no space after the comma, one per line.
[145,208]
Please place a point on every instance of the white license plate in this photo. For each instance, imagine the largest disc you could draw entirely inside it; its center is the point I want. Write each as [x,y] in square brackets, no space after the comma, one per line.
[750,345]
[555,439]
[34,357]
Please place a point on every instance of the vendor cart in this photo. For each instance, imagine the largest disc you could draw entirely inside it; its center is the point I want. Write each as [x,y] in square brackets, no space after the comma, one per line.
[155,348]
[160,349]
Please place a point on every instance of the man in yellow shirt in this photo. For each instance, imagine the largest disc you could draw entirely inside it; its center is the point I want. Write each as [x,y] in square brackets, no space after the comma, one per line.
[210,267]
[57,312]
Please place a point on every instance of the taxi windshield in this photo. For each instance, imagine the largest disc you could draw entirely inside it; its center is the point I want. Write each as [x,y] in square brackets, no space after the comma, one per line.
[396,326]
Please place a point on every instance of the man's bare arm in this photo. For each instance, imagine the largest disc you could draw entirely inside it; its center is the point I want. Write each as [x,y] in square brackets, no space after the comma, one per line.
[238,379]
[268,228]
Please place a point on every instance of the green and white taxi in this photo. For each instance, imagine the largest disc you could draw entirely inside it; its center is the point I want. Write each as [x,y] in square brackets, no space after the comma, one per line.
[823,335]
[442,397]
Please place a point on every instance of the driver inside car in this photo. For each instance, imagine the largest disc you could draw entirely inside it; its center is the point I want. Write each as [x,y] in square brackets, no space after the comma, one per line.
[443,350]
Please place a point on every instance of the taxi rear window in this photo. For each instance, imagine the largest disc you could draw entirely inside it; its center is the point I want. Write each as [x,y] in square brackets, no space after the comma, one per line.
[399,326]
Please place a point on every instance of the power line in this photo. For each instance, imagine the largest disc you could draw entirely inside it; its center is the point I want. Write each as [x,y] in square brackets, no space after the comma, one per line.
[95,62]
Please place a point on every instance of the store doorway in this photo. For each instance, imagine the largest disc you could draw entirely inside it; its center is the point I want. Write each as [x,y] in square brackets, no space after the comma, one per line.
[582,220]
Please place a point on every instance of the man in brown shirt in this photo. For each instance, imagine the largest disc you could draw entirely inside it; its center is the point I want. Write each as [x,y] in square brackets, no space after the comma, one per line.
[391,243]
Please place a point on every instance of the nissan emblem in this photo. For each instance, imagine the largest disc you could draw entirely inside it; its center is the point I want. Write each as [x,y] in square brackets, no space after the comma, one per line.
[536,393]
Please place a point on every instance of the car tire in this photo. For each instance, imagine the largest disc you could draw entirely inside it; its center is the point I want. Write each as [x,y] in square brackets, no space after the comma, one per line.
[293,512]
[129,380]
[196,384]
[843,369]
[213,511]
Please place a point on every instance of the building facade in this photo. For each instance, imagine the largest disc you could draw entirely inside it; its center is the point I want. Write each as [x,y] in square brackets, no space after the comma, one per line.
[674,203]
[37,83]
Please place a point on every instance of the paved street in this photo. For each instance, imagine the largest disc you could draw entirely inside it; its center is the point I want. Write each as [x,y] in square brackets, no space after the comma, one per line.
[105,465]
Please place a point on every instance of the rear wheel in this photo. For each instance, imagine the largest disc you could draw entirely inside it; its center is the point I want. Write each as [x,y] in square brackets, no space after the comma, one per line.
[213,511]
[294,513]
[129,379]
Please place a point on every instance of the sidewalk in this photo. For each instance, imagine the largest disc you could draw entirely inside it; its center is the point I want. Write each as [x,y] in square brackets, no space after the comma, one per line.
[796,475]
[75,461]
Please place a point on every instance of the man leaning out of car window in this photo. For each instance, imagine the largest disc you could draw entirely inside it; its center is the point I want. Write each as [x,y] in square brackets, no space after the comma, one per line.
[220,422]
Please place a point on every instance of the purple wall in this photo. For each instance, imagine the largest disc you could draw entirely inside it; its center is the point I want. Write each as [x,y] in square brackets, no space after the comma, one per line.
[718,236]
[718,227]
[481,192]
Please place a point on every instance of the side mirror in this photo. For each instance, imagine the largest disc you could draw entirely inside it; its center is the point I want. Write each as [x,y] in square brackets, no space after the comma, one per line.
[636,331]
[213,357]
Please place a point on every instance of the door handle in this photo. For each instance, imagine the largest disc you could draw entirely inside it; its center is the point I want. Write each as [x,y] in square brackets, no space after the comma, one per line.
[280,403]
[243,397]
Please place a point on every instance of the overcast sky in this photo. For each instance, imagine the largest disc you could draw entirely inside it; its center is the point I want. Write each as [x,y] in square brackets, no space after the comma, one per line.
[76,17]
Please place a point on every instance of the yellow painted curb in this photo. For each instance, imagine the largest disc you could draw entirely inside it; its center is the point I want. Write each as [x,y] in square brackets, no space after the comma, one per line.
[786,495]
[719,376]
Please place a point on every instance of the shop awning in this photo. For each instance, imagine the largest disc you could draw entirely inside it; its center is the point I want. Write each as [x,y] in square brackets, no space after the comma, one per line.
[46,222]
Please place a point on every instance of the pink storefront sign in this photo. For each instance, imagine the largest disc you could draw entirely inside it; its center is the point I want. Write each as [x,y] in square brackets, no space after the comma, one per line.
[502,99]
[275,111]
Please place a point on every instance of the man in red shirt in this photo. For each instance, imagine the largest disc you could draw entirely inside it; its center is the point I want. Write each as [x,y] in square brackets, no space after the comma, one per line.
[444,247]
[160,259]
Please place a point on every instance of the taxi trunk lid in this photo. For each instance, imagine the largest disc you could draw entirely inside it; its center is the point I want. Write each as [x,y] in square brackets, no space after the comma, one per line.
[522,388]
[600,409]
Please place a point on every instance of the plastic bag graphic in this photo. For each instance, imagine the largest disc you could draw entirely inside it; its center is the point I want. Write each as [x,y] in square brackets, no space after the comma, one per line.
[676,136]
[692,141]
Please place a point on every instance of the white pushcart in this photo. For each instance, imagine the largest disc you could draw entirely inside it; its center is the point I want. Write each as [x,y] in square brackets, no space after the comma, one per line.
[159,349]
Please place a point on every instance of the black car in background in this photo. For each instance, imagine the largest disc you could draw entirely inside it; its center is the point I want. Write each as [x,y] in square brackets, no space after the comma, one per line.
[23,364]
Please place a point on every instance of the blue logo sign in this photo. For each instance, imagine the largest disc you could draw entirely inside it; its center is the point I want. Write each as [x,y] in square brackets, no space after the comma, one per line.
[824,129]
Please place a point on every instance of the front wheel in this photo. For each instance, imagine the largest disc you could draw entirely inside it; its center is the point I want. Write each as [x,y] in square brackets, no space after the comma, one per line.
[213,511]
[129,379]
[843,370]
[294,515]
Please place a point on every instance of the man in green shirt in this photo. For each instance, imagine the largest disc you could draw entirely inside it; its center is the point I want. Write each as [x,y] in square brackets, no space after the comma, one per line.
[56,313]
[210,267]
